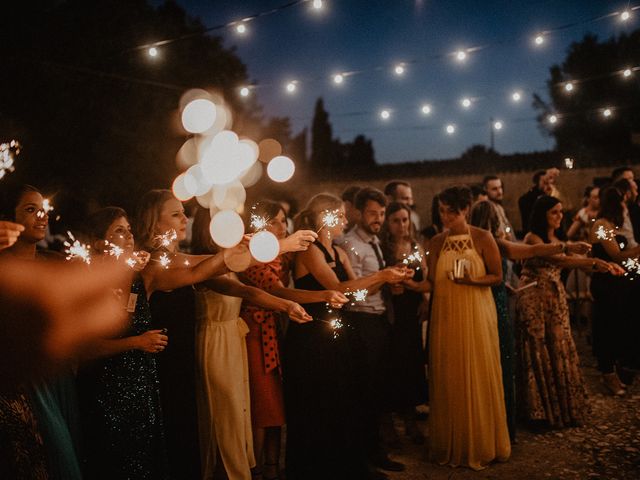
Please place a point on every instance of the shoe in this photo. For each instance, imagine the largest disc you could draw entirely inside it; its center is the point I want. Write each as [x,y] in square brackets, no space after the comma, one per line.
[612,384]
[385,463]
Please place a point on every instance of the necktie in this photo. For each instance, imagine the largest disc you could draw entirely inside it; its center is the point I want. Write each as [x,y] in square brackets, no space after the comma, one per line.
[376,250]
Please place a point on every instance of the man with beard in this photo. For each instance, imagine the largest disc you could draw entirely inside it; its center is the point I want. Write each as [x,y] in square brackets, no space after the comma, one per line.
[369,332]
[631,197]
[493,187]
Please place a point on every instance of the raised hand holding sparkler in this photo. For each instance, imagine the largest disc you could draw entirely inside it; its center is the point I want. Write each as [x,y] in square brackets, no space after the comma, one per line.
[9,233]
[298,241]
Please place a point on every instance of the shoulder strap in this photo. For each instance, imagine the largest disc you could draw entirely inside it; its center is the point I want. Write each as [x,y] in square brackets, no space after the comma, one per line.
[327,255]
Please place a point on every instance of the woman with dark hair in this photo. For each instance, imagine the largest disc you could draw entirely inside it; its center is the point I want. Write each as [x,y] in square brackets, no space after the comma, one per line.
[408,383]
[612,339]
[24,444]
[583,220]
[467,420]
[552,391]
[483,215]
[223,369]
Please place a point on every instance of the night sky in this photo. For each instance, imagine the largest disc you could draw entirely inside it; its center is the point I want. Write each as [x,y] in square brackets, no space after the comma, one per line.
[308,46]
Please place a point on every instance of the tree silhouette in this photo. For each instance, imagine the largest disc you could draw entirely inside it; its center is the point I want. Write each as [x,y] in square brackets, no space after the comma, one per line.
[596,67]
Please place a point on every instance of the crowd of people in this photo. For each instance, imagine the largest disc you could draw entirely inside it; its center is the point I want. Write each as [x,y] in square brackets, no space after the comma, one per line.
[356,321]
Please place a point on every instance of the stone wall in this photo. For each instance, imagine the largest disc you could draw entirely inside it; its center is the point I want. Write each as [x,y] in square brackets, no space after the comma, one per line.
[571,184]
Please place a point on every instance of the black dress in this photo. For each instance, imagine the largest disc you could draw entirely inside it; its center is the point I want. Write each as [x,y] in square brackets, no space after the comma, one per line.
[407,375]
[120,410]
[612,333]
[320,398]
[175,311]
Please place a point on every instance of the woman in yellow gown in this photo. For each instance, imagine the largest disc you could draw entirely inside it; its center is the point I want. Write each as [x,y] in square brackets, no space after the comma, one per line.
[467,425]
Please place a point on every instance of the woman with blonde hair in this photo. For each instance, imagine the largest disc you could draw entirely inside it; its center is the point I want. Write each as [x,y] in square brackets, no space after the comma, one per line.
[319,380]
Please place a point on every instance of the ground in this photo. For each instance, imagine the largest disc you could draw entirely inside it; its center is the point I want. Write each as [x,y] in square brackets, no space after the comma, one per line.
[607,447]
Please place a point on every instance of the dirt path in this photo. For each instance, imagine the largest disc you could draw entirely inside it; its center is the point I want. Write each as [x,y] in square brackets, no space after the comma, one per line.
[607,447]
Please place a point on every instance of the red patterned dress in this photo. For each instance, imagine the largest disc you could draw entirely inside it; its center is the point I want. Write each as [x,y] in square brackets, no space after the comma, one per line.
[265,380]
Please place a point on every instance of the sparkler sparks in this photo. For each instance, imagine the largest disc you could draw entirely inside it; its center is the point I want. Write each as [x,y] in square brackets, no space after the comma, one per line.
[632,266]
[413,260]
[77,249]
[114,250]
[166,239]
[131,262]
[46,208]
[330,218]
[8,152]
[605,233]
[164,260]
[258,222]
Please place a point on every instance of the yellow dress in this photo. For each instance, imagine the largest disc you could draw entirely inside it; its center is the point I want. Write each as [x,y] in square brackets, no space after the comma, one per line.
[224,413]
[467,421]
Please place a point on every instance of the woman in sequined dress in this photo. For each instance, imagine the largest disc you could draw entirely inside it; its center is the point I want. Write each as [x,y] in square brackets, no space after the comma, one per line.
[120,397]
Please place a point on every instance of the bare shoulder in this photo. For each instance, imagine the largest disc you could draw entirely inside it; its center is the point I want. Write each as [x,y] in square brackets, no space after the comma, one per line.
[480,234]
[532,239]
[342,254]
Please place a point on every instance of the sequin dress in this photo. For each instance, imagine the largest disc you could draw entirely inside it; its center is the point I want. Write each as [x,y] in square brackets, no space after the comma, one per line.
[120,408]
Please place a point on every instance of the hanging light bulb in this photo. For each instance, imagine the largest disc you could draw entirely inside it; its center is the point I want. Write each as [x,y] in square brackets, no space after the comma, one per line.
[338,78]
[553,119]
[516,96]
[461,55]
[241,28]
[626,15]
[465,102]
[627,72]
[153,52]
[317,4]
[244,91]
[450,129]
[568,87]
[399,69]
[607,112]
[539,39]
[426,109]
[385,114]
[292,86]
[498,125]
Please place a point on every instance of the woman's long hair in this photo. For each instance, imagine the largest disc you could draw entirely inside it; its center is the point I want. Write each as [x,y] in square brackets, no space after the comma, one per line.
[99,222]
[10,198]
[201,241]
[538,222]
[147,216]
[483,215]
[611,206]
[306,219]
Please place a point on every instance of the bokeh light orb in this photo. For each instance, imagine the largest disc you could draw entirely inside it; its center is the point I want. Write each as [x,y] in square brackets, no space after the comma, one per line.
[180,190]
[269,148]
[264,246]
[199,115]
[281,169]
[226,228]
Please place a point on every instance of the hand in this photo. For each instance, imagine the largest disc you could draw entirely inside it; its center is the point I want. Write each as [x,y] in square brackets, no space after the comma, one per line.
[510,289]
[601,266]
[152,341]
[298,241]
[298,314]
[394,274]
[578,248]
[465,279]
[616,269]
[9,233]
[141,258]
[409,273]
[335,299]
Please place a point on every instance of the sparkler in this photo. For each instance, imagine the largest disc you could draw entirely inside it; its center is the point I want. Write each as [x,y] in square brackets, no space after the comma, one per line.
[77,249]
[605,233]
[336,325]
[166,239]
[632,266]
[8,152]
[164,260]
[258,222]
[46,208]
[114,250]
[330,218]
[413,260]
[131,262]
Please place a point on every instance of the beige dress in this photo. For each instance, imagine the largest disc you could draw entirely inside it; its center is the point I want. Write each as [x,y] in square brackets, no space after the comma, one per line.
[467,422]
[224,414]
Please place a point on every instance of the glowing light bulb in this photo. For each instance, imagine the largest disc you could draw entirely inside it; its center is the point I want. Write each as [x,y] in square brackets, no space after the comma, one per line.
[607,112]
[568,163]
[497,125]
[291,87]
[153,52]
[399,69]
[241,28]
[516,96]
[626,15]
[568,87]
[627,72]
[426,109]
[244,91]
[465,102]
[539,40]
[338,78]
[385,114]
[461,55]
[317,4]
[553,119]
[450,129]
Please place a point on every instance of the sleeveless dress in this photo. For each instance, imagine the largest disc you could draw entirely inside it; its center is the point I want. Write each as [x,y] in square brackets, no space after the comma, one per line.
[320,399]
[265,380]
[507,351]
[175,311]
[120,408]
[223,385]
[550,384]
[467,420]
[407,374]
